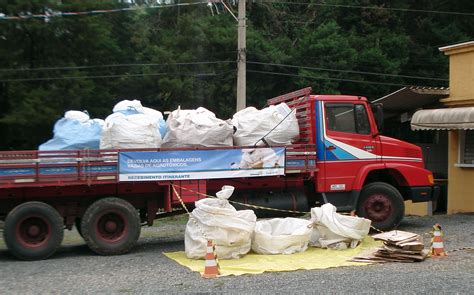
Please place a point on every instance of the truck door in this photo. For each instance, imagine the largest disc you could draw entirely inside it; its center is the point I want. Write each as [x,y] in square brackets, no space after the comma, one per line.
[348,144]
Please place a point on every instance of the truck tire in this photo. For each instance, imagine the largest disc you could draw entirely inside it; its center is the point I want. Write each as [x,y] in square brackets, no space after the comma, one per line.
[33,231]
[110,226]
[383,204]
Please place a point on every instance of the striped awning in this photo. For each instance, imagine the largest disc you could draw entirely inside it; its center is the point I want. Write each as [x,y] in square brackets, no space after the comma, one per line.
[443,119]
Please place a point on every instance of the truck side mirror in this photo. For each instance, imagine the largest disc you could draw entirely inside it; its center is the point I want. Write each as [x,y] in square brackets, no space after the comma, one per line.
[377,109]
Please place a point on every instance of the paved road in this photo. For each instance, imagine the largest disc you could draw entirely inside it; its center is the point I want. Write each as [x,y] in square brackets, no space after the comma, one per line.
[75,269]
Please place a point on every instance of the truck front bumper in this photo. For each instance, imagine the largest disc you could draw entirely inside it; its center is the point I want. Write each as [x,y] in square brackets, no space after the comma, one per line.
[424,193]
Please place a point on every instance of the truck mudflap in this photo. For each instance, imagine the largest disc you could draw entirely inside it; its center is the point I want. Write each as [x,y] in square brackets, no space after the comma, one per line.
[424,193]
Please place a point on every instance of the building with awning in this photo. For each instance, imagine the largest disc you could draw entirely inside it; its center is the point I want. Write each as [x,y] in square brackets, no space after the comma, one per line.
[457,118]
[461,118]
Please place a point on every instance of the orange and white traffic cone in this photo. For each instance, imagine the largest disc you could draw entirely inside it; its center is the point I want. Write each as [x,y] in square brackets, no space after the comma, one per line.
[437,246]
[211,269]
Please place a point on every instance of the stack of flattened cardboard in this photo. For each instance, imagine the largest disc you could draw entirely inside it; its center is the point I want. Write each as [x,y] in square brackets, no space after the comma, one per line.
[398,246]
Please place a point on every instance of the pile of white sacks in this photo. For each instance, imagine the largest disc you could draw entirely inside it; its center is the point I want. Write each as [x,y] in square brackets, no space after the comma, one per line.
[234,233]
[133,126]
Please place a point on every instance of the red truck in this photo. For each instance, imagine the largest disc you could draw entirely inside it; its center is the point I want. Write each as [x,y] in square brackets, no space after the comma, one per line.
[340,158]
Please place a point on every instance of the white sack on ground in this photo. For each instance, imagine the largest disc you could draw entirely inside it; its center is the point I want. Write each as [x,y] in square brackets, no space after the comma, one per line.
[130,132]
[332,229]
[197,128]
[281,236]
[75,131]
[253,124]
[229,229]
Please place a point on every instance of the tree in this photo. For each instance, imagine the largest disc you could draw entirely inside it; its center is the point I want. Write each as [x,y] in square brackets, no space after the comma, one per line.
[185,56]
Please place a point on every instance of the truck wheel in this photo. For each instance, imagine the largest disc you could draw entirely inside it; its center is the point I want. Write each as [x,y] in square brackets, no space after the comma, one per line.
[383,204]
[111,226]
[33,231]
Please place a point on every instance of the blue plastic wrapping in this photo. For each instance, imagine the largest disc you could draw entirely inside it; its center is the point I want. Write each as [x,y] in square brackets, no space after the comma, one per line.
[70,134]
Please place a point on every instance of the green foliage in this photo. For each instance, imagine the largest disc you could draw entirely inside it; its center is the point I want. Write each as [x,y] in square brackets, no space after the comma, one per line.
[185,56]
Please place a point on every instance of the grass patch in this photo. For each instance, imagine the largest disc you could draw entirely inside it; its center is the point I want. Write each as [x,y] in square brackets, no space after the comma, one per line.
[2,242]
[181,219]
[72,237]
[154,232]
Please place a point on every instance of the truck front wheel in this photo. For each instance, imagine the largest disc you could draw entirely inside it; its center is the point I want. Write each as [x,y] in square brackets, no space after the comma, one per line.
[33,231]
[111,226]
[383,204]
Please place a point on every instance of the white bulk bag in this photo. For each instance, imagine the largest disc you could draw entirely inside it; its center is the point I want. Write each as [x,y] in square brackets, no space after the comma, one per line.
[130,132]
[253,124]
[215,219]
[281,236]
[158,116]
[332,228]
[133,107]
[197,128]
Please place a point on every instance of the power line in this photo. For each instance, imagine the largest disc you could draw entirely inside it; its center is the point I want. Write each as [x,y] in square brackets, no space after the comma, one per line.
[374,8]
[191,63]
[112,66]
[51,13]
[209,74]
[130,60]
[347,71]
[327,78]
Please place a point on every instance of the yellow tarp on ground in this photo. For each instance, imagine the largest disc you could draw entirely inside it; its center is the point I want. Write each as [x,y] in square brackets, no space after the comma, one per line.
[313,258]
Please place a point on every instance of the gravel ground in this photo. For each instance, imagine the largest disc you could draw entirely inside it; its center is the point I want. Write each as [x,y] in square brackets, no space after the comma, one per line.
[75,269]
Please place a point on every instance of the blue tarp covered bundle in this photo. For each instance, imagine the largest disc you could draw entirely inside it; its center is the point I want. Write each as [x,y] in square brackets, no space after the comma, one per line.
[72,134]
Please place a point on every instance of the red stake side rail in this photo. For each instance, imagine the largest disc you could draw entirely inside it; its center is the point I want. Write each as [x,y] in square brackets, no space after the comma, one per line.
[57,168]
[299,102]
[95,167]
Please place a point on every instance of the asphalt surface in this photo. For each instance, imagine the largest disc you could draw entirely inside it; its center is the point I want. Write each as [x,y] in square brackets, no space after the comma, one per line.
[75,269]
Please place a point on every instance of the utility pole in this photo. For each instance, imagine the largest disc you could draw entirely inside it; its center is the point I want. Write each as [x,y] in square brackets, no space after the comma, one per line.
[241,58]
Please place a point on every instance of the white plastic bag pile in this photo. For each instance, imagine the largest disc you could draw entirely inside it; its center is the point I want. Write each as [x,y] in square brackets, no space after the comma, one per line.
[133,126]
[334,230]
[197,128]
[234,232]
[281,236]
[278,124]
[75,131]
[217,220]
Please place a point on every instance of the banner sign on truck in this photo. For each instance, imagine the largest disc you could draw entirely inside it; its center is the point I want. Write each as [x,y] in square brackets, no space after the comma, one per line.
[201,164]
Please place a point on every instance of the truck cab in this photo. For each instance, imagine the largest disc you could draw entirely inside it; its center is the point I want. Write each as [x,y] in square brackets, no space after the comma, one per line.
[357,167]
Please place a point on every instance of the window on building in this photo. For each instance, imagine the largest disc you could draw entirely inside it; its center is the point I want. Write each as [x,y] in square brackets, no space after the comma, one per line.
[467,147]
[351,118]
